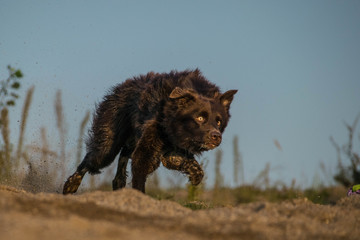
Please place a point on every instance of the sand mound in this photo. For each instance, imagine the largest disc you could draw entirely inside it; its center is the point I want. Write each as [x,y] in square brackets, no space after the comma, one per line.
[129,214]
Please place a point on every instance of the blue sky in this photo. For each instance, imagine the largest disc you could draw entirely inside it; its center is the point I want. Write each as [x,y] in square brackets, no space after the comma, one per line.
[296,65]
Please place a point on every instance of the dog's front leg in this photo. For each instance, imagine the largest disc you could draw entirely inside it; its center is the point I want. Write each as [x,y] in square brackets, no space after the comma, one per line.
[184,164]
[146,156]
[193,169]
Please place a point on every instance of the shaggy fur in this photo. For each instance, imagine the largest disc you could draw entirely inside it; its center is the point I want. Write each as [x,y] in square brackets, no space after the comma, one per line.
[153,118]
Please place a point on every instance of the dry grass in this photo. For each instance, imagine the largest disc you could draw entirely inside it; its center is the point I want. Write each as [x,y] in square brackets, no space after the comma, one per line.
[24,117]
[47,169]
[81,136]
[5,153]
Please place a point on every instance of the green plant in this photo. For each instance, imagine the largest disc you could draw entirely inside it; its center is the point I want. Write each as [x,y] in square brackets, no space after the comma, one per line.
[350,174]
[8,96]
[194,192]
[197,205]
[10,87]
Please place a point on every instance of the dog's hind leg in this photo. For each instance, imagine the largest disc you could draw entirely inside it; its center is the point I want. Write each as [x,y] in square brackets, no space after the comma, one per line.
[73,182]
[121,174]
[92,163]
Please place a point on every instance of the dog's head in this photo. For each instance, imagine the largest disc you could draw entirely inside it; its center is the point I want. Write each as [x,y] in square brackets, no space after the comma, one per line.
[195,123]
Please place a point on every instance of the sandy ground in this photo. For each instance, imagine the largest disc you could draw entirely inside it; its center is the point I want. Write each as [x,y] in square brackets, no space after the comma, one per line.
[129,214]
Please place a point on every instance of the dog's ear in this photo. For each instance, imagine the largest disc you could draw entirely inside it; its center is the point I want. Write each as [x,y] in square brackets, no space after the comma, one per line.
[227,97]
[182,93]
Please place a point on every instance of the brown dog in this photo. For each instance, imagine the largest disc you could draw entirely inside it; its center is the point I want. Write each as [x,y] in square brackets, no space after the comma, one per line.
[153,118]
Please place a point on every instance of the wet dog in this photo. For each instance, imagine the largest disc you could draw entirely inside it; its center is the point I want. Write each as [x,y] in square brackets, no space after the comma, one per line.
[168,118]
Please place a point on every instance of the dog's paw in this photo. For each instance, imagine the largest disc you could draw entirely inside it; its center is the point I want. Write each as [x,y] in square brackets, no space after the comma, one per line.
[72,184]
[196,177]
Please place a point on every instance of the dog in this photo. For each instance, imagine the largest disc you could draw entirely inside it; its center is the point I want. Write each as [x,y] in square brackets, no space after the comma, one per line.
[157,117]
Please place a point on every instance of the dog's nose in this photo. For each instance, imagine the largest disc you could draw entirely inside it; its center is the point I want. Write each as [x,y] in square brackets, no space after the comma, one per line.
[215,136]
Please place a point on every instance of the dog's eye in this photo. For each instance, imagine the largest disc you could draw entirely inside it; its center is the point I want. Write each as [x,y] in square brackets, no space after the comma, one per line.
[200,119]
[218,123]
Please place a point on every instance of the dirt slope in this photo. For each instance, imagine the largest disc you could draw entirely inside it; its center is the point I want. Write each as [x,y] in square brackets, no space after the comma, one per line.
[129,214]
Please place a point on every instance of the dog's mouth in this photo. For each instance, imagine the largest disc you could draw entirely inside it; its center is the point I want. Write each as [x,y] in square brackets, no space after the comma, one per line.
[210,145]
[199,146]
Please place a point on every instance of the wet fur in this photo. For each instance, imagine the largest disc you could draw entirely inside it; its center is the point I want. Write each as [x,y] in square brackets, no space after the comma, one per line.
[153,118]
